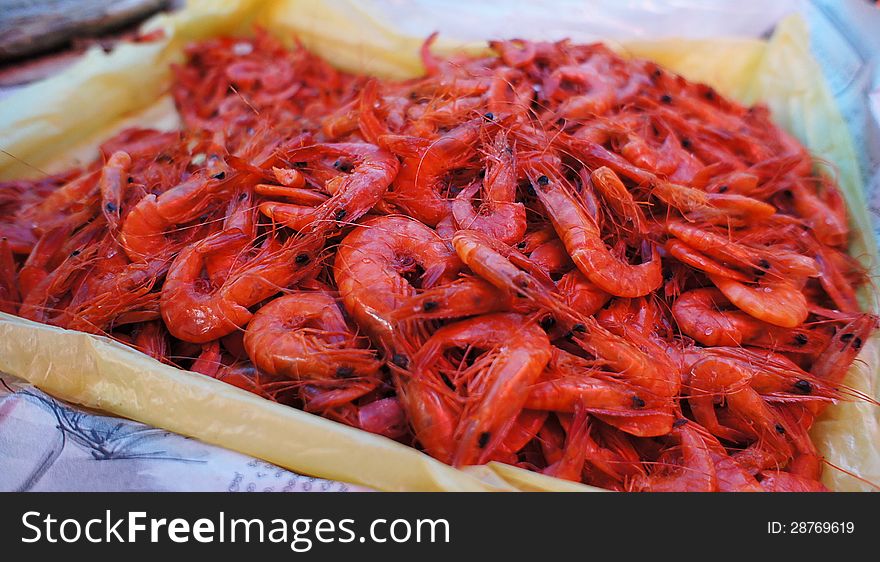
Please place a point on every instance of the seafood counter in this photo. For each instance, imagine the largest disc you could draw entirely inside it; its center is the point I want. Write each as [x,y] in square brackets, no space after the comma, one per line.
[547,256]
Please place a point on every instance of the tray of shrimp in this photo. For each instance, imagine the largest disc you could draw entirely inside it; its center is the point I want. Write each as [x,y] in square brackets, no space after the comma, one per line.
[519,265]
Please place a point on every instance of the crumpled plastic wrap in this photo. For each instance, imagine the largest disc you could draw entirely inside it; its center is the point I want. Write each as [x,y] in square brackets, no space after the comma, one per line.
[57,122]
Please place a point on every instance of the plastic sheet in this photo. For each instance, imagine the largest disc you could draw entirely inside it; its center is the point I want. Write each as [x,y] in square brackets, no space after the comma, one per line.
[54,123]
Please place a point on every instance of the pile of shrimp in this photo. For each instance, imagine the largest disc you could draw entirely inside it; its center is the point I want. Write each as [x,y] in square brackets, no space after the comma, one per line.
[548,256]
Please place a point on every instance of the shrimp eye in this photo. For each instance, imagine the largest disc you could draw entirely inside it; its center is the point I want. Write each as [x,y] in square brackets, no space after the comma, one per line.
[548,322]
[685,143]
[484,439]
[340,214]
[301,259]
[779,429]
[429,306]
[638,402]
[543,180]
[679,422]
[400,360]
[344,372]
[522,245]
[579,328]
[73,254]
[130,179]
[111,207]
[803,386]
[846,337]
[764,264]
[800,339]
[723,189]
[857,344]
[219,175]
[666,98]
[489,116]
[657,73]
[446,381]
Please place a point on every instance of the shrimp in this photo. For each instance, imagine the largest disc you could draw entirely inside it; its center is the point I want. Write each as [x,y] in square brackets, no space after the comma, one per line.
[303,336]
[375,263]
[580,294]
[113,180]
[777,303]
[199,310]
[44,257]
[827,218]
[367,172]
[571,382]
[760,262]
[704,315]
[608,184]
[581,236]
[495,263]
[516,351]
[144,232]
[779,481]
[9,295]
[499,215]
[468,296]
[417,188]
[833,362]
[687,466]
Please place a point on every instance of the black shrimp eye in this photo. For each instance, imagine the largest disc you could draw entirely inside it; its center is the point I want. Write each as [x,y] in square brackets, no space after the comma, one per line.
[801,339]
[803,386]
[302,258]
[638,402]
[666,98]
[685,143]
[779,429]
[579,328]
[429,306]
[73,254]
[340,214]
[857,344]
[130,179]
[344,372]
[548,322]
[446,381]
[543,180]
[522,245]
[723,189]
[111,207]
[400,360]
[764,264]
[846,337]
[219,175]
[657,73]
[483,439]
[489,116]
